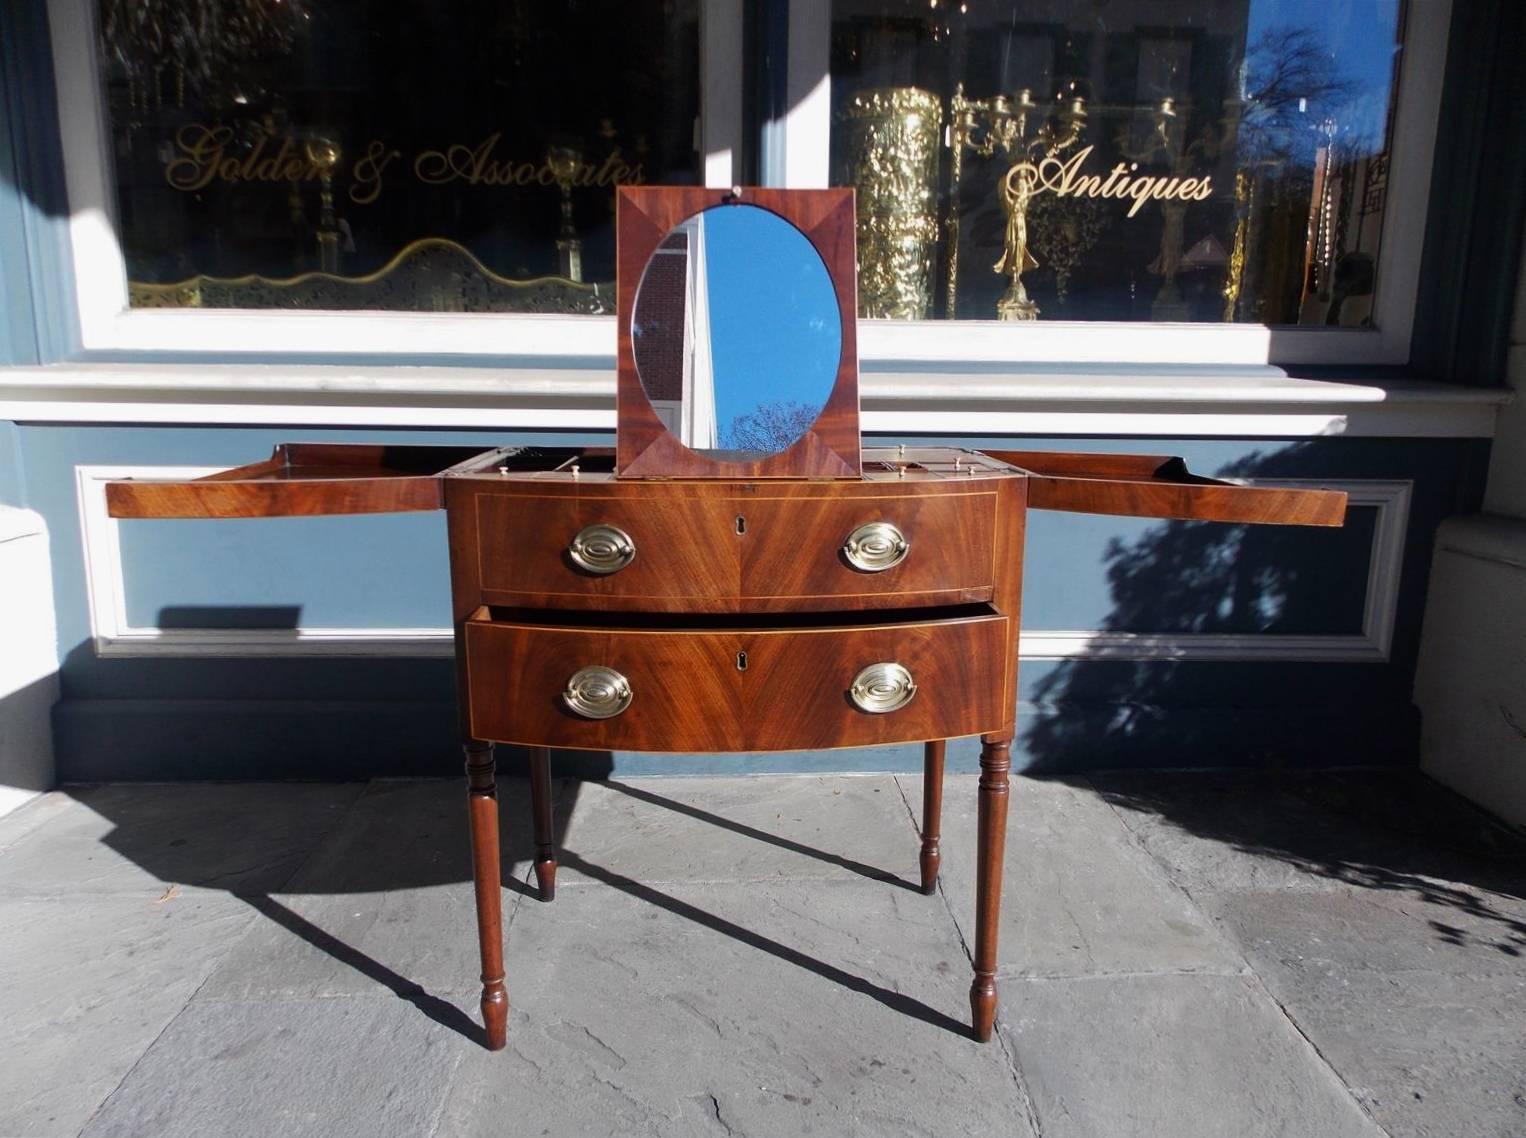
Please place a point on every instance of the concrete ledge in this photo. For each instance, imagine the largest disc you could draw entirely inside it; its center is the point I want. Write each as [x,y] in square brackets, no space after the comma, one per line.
[1490,537]
[1471,681]
[28,658]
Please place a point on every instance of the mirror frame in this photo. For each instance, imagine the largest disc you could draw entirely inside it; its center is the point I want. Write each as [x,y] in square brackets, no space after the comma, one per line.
[644,447]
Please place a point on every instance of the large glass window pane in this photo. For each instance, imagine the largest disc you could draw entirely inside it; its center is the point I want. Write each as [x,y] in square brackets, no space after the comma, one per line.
[1168,160]
[459,155]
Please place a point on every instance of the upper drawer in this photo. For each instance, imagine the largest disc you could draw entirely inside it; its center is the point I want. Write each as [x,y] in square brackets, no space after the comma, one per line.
[882,548]
[678,547]
[577,552]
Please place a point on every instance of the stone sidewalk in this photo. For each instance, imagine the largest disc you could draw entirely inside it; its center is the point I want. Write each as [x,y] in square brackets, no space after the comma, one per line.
[1183,954]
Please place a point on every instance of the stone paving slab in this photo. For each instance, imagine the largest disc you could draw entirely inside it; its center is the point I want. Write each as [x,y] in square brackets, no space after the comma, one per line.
[420,943]
[137,839]
[752,955]
[1079,898]
[385,902]
[760,1008]
[87,986]
[1313,830]
[1173,1056]
[339,1068]
[1419,1006]
[740,829]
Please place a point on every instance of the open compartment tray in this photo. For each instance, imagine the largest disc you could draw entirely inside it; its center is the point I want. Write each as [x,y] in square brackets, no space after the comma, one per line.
[304,479]
[1158,486]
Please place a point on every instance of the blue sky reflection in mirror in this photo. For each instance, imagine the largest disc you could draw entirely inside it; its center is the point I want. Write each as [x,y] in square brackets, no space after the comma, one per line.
[737,332]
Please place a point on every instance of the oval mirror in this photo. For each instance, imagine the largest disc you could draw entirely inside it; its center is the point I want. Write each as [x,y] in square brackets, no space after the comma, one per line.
[736,332]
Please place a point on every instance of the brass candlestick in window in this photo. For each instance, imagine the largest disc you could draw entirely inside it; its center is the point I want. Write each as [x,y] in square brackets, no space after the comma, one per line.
[323,153]
[564,162]
[1017,127]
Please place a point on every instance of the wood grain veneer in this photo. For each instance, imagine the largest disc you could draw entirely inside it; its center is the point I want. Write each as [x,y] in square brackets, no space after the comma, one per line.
[644,216]
[691,695]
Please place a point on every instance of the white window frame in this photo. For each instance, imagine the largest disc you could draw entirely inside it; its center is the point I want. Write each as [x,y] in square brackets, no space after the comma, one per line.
[108,324]
[806,133]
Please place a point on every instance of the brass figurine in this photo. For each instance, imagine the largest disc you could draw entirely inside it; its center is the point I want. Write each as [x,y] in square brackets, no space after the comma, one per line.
[1019,128]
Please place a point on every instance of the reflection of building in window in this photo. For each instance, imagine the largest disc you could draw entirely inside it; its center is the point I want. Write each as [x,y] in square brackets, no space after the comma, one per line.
[671,326]
[1275,111]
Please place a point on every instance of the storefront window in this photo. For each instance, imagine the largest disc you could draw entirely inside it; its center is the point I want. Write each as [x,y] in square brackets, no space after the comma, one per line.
[459,156]
[1144,160]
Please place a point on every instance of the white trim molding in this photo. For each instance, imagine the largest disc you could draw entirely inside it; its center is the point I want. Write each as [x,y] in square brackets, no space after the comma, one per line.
[1252,403]
[1372,645]
[114,636]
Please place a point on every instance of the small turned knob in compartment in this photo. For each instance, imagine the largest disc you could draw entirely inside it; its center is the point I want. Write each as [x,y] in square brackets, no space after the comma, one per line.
[882,688]
[602,549]
[597,692]
[875,546]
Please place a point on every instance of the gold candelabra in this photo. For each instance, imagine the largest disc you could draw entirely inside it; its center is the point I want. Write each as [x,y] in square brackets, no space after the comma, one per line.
[1023,129]
[564,162]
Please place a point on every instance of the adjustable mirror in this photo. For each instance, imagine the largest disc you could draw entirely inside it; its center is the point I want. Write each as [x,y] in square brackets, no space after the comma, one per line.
[735,356]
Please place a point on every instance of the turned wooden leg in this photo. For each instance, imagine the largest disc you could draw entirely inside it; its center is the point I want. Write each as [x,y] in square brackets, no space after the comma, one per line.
[995,765]
[540,806]
[932,813]
[482,809]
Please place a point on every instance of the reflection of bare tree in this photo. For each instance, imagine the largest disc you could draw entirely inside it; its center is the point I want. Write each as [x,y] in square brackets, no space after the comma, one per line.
[769,427]
[1293,91]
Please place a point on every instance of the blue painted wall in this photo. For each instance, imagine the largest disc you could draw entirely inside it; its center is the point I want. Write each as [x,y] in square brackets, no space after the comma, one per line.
[326,717]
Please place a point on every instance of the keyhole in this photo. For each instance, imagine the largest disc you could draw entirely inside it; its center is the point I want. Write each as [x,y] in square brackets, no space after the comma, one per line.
[741,525]
[741,661]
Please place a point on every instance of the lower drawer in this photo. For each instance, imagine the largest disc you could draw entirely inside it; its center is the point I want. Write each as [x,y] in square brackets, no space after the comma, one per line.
[679,688]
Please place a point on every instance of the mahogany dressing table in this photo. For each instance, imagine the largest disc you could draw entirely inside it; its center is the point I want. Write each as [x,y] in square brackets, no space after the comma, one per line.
[736,574]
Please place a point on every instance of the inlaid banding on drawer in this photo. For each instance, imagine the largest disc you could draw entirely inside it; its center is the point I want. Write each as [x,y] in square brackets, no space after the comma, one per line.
[687,693]
[805,546]
[916,544]
[684,547]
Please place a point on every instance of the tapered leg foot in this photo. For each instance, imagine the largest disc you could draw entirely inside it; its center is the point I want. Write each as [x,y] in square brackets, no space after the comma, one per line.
[932,813]
[983,1007]
[495,1015]
[482,811]
[541,808]
[995,767]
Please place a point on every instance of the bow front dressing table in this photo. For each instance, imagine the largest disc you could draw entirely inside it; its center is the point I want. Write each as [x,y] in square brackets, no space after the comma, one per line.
[736,573]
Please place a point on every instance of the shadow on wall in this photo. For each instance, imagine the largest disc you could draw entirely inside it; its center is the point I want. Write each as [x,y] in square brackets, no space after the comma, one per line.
[1207,578]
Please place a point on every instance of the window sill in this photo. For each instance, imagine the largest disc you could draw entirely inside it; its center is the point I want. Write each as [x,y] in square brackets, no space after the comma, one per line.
[1200,402]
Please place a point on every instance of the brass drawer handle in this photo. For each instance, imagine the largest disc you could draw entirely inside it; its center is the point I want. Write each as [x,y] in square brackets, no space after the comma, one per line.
[880,688]
[597,692]
[602,549]
[875,547]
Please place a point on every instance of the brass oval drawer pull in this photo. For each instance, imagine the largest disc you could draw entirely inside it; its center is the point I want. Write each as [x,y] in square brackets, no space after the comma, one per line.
[602,549]
[875,546]
[882,687]
[597,692]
